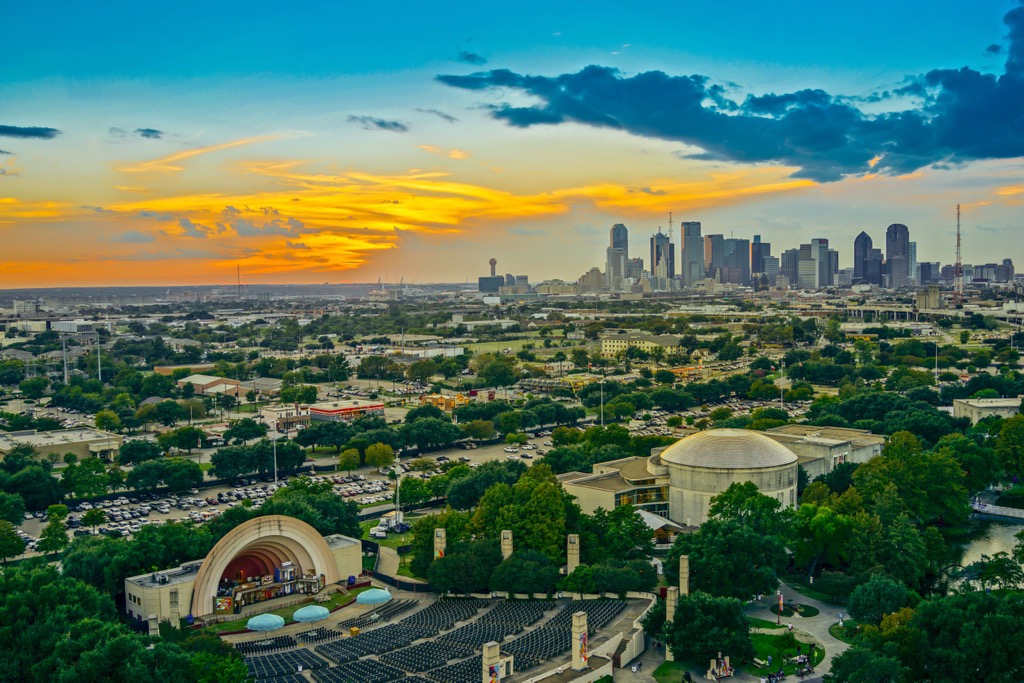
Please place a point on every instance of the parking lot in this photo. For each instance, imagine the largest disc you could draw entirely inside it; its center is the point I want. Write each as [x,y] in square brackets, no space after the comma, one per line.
[365,486]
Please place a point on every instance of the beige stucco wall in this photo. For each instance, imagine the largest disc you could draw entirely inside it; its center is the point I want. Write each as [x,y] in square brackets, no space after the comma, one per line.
[589,499]
[168,602]
[691,488]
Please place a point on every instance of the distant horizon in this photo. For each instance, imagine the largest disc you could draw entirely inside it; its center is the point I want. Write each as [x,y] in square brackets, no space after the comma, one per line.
[137,149]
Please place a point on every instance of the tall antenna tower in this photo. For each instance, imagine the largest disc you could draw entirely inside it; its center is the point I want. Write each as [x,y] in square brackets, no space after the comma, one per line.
[238,275]
[958,268]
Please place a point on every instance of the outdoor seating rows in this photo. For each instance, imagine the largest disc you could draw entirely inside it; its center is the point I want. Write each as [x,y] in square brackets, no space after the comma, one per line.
[475,635]
[425,656]
[375,642]
[265,646]
[361,671]
[416,679]
[281,663]
[444,613]
[466,671]
[543,643]
[599,613]
[518,612]
[385,613]
[287,678]
[319,635]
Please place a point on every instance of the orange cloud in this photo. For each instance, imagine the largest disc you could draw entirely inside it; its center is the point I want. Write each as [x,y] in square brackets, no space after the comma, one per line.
[169,163]
[294,219]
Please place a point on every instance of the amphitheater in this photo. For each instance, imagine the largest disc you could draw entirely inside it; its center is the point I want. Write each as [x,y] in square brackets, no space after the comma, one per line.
[422,638]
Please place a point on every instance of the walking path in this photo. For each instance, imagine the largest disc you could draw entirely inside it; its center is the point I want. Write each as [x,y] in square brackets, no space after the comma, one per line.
[806,629]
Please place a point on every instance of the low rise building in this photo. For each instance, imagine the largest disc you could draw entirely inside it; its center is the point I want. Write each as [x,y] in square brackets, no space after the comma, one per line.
[285,416]
[207,385]
[616,341]
[820,449]
[265,561]
[82,441]
[443,402]
[977,409]
[336,411]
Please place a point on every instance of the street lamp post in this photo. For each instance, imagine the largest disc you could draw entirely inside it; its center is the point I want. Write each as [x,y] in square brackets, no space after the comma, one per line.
[275,455]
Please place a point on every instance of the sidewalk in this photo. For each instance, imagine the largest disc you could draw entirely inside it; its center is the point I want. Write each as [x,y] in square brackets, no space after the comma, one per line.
[806,629]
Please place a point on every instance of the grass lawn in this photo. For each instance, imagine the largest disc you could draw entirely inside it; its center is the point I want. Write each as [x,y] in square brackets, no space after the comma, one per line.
[799,581]
[755,622]
[369,561]
[404,570]
[770,644]
[392,541]
[206,466]
[337,600]
[846,632]
[670,672]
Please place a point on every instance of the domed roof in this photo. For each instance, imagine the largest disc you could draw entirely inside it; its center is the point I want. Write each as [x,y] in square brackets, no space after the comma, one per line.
[730,449]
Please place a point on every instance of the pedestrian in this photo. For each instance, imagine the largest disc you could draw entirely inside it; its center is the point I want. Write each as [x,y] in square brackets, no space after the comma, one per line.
[791,627]
[769,660]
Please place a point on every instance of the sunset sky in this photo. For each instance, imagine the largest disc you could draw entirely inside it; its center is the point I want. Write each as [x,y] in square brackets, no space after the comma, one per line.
[166,143]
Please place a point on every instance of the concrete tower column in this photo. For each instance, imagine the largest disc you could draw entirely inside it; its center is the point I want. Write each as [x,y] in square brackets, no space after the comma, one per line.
[440,542]
[580,642]
[491,660]
[684,574]
[572,552]
[506,544]
[671,601]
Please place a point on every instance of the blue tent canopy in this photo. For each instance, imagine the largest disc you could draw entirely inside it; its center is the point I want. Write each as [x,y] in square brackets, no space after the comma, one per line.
[374,596]
[311,613]
[265,622]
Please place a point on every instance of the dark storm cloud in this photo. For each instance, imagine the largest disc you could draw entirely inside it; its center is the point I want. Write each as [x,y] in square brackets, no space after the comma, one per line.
[373,123]
[3,151]
[149,133]
[963,115]
[437,112]
[472,58]
[29,132]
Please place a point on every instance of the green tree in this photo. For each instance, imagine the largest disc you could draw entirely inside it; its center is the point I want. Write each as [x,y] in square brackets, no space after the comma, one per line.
[424,411]
[863,665]
[34,387]
[54,536]
[429,432]
[454,523]
[348,460]
[881,595]
[94,518]
[479,429]
[466,568]
[11,544]
[380,455]
[525,571]
[1010,445]
[498,372]
[729,559]
[246,429]
[138,451]
[421,370]
[167,413]
[413,490]
[12,507]
[703,626]
[108,421]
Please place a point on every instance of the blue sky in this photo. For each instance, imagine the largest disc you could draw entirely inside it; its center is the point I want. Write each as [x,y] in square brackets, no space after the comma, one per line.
[319,143]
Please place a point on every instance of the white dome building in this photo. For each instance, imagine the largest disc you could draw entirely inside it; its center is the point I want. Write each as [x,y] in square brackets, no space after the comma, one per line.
[702,465]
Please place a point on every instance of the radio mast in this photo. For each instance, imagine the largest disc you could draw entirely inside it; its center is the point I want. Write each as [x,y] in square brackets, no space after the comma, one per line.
[958,268]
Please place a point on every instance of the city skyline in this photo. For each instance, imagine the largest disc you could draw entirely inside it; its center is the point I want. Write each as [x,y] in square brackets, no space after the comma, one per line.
[344,146]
